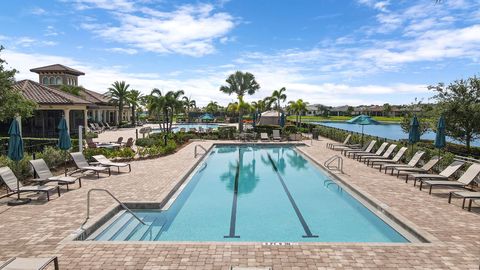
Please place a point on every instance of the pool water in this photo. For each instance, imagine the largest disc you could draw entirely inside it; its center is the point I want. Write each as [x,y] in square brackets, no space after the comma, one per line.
[256,193]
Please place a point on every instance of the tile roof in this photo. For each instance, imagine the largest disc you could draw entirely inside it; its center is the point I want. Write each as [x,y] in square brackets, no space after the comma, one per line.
[95,97]
[42,94]
[57,67]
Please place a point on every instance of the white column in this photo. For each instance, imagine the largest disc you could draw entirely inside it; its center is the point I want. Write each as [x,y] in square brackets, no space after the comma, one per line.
[85,118]
[99,116]
[66,113]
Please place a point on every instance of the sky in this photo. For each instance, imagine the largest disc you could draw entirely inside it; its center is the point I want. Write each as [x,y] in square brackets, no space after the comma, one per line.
[331,52]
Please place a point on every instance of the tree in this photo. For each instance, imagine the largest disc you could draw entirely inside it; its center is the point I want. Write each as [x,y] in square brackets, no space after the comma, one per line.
[212,107]
[174,105]
[118,94]
[387,109]
[134,99]
[240,84]
[298,108]
[350,110]
[277,97]
[415,108]
[12,102]
[156,104]
[188,104]
[459,102]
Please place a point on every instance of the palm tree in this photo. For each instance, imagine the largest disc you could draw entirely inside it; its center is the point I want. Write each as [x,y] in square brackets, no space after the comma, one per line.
[156,104]
[134,98]
[240,84]
[277,97]
[212,107]
[298,108]
[188,104]
[118,94]
[174,104]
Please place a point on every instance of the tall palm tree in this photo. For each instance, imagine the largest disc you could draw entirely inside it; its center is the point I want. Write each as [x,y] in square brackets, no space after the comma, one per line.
[156,104]
[188,104]
[118,94]
[174,104]
[240,84]
[277,97]
[298,108]
[134,98]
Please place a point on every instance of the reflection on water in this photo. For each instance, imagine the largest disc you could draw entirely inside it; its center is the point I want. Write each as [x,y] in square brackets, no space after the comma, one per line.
[249,178]
[390,131]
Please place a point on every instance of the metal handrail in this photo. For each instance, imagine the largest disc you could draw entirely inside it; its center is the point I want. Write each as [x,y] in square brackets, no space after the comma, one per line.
[332,159]
[195,152]
[115,198]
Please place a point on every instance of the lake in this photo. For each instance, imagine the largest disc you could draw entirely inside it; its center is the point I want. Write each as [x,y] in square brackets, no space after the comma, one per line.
[390,131]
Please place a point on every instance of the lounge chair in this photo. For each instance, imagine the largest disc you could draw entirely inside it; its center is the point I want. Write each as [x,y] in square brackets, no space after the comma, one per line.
[411,164]
[83,165]
[103,161]
[101,129]
[443,175]
[45,175]
[109,127]
[10,181]
[386,154]
[466,179]
[424,169]
[367,148]
[381,162]
[29,263]
[129,143]
[264,137]
[369,154]
[276,135]
[472,195]
[118,141]
[331,145]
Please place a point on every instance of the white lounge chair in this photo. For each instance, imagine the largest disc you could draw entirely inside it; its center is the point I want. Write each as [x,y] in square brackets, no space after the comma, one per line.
[367,148]
[29,263]
[276,135]
[424,169]
[264,137]
[411,164]
[83,166]
[102,160]
[382,161]
[443,175]
[466,179]
[45,175]
[10,181]
[472,195]
[378,153]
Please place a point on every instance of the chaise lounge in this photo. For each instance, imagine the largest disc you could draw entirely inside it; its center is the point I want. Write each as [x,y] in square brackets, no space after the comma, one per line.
[45,175]
[424,169]
[83,166]
[10,181]
[381,161]
[103,161]
[466,179]
[411,164]
[443,175]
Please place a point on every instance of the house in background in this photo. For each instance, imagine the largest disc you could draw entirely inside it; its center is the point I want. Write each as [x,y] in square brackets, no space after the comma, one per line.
[54,103]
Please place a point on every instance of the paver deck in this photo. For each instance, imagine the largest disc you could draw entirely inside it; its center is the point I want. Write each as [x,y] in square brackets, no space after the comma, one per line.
[38,229]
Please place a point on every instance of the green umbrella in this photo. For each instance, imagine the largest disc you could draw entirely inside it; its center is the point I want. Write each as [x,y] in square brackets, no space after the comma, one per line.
[207,116]
[414,133]
[282,120]
[64,141]
[363,120]
[440,141]
[15,153]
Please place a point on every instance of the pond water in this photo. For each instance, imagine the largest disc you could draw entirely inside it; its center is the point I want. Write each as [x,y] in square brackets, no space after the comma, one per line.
[390,131]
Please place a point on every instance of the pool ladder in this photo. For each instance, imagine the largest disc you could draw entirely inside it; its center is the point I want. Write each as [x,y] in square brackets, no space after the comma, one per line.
[115,198]
[329,163]
[196,152]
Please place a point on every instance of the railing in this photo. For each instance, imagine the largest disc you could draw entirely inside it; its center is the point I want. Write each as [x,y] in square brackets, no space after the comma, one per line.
[338,167]
[115,198]
[196,152]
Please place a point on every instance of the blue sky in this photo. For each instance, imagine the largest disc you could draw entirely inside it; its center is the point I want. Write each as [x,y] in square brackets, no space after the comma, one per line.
[332,52]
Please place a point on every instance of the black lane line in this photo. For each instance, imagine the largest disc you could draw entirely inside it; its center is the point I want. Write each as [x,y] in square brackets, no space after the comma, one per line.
[233,217]
[308,233]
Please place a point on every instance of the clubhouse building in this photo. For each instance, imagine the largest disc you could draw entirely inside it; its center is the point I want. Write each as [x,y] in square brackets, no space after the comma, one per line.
[54,103]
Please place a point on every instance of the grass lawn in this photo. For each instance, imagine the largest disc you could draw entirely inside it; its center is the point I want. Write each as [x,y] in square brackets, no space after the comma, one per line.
[342,118]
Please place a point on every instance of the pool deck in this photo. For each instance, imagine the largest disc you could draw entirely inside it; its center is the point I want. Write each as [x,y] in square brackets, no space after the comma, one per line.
[39,229]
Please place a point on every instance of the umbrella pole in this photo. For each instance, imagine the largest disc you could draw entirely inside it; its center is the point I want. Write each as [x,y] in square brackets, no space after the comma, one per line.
[18,183]
[362,135]
[65,161]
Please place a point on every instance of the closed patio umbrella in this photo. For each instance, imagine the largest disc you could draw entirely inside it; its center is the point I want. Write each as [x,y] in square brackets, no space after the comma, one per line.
[15,153]
[64,141]
[414,133]
[440,141]
[363,120]
[254,118]
[282,119]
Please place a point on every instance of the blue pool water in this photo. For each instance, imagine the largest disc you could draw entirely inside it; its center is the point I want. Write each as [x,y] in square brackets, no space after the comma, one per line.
[260,193]
[187,127]
[390,131]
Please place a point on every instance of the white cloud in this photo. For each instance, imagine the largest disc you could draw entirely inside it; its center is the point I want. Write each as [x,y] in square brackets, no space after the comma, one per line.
[190,29]
[122,50]
[38,11]
[121,5]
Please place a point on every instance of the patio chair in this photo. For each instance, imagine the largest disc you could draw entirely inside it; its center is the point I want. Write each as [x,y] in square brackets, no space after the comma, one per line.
[276,135]
[367,148]
[369,154]
[109,127]
[29,263]
[472,195]
[424,169]
[443,175]
[466,179]
[264,137]
[10,181]
[386,154]
[118,141]
[101,129]
[129,142]
[94,128]
[102,160]
[340,146]
[381,162]
[45,175]
[83,166]
[411,164]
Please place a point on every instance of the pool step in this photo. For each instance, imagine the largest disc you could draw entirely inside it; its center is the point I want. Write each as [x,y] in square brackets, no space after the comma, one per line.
[110,231]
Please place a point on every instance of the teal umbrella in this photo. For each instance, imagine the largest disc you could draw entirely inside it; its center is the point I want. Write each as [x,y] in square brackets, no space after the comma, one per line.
[207,116]
[414,134]
[254,118]
[363,120]
[64,142]
[15,153]
[440,141]
[282,120]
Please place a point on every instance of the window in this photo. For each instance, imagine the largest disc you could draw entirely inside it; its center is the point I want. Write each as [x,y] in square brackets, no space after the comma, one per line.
[59,81]
[45,80]
[52,80]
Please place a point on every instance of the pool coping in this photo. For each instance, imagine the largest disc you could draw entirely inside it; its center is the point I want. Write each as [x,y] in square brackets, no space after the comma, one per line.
[105,217]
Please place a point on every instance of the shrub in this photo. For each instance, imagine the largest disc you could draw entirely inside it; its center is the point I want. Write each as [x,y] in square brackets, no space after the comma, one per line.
[21,169]
[227,132]
[289,129]
[53,156]
[91,135]
[146,142]
[109,153]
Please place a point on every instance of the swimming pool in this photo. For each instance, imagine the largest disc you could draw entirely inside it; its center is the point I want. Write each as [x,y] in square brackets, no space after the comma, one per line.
[187,127]
[255,193]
